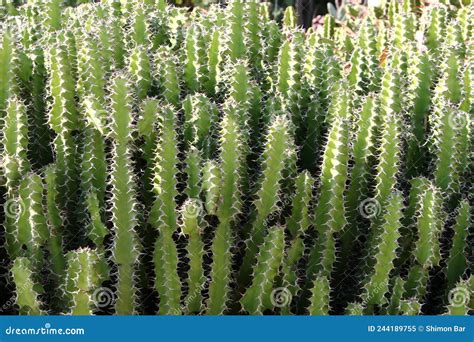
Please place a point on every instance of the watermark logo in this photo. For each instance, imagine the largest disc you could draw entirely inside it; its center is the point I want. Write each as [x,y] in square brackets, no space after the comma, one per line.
[280,297]
[192,208]
[369,208]
[459,296]
[103,297]
[457,119]
[13,208]
[47,329]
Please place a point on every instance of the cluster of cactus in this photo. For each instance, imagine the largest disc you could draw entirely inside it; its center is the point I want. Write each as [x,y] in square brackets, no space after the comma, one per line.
[156,160]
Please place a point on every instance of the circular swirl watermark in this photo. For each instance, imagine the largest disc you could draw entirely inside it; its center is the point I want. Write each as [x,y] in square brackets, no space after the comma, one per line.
[280,297]
[13,208]
[369,208]
[457,120]
[459,296]
[192,208]
[103,297]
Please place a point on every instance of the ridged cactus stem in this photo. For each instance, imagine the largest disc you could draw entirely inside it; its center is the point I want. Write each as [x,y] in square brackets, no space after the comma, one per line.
[395,299]
[416,282]
[320,297]
[6,71]
[53,15]
[193,170]
[26,296]
[389,150]
[54,220]
[387,171]
[257,296]
[63,120]
[15,144]
[418,186]
[191,66]
[378,282]
[410,307]
[139,66]
[125,247]
[329,216]
[355,309]
[211,180]
[253,32]
[214,59]
[236,39]
[167,282]
[200,116]
[457,261]
[420,79]
[170,80]
[91,69]
[446,139]
[362,151]
[12,207]
[429,226]
[82,280]
[190,214]
[427,247]
[228,207]
[31,229]
[93,164]
[97,229]
[297,224]
[146,127]
[275,155]
[40,138]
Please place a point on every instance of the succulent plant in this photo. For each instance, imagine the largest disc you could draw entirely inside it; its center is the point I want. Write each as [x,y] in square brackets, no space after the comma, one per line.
[221,162]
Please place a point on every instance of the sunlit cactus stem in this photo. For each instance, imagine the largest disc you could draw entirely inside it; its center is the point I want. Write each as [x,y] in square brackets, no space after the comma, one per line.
[7,78]
[191,226]
[275,154]
[320,297]
[54,220]
[15,143]
[362,151]
[164,215]
[26,296]
[378,282]
[258,295]
[125,249]
[227,207]
[329,217]
[82,281]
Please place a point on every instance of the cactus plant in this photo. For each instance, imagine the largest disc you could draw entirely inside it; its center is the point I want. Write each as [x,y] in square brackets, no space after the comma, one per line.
[223,162]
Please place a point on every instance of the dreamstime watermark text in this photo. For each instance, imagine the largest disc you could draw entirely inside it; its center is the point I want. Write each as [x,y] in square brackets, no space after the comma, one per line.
[46,330]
